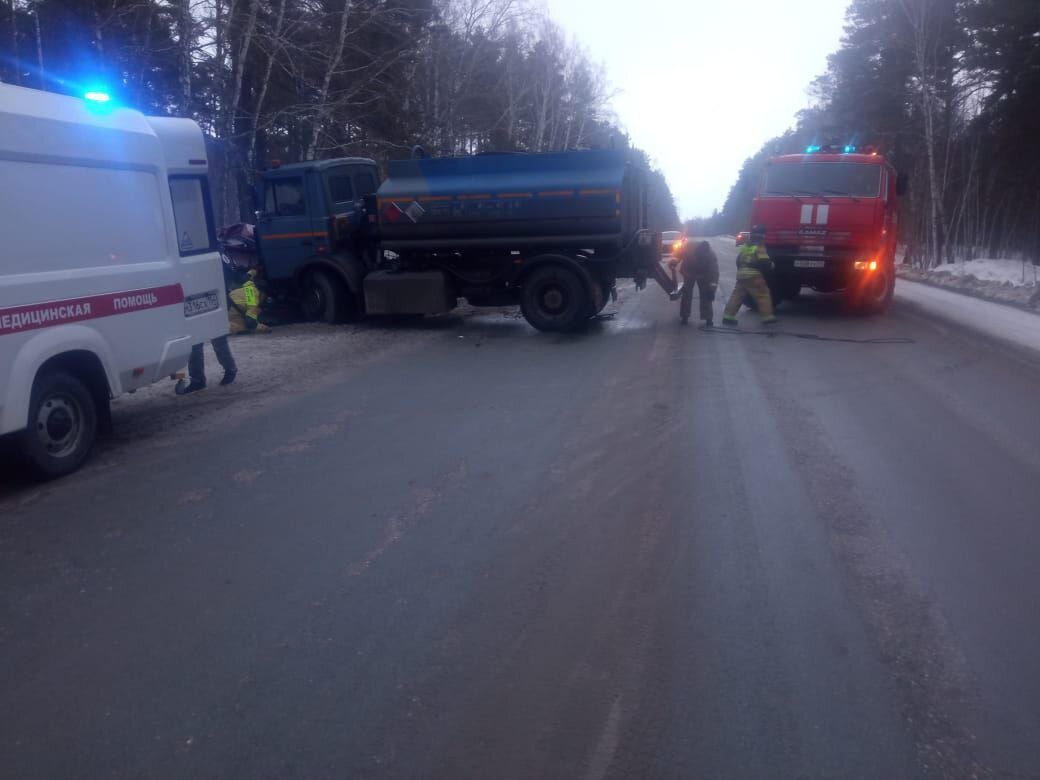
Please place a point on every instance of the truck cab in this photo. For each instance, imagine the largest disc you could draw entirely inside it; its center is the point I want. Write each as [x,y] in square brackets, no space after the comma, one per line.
[831,223]
[312,233]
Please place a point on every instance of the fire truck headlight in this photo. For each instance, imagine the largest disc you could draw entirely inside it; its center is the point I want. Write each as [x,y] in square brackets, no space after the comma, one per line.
[865,265]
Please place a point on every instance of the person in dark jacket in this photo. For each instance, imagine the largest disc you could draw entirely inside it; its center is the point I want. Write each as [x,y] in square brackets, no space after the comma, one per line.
[699,266]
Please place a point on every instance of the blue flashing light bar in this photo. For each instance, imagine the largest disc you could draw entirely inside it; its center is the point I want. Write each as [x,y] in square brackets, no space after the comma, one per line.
[97,96]
[811,149]
[849,149]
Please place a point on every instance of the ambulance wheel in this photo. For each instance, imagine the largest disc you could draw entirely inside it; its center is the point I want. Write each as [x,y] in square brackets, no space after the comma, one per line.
[325,299]
[555,299]
[63,424]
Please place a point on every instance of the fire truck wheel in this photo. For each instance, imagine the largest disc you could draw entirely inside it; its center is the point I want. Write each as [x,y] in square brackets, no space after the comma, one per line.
[324,298]
[877,295]
[787,290]
[555,299]
[63,424]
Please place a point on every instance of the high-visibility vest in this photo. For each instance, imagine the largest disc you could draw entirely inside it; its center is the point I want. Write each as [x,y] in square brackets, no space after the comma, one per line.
[247,297]
[752,259]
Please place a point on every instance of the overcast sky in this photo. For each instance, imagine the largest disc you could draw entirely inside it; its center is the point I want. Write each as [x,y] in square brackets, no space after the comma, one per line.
[702,83]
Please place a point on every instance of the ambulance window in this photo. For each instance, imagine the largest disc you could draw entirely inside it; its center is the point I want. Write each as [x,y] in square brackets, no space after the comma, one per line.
[284,198]
[191,213]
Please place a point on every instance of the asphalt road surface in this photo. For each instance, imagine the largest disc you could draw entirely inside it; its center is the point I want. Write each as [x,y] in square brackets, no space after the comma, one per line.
[641,551]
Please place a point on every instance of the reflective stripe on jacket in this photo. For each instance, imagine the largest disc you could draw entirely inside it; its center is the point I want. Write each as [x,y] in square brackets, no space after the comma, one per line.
[752,260]
[247,298]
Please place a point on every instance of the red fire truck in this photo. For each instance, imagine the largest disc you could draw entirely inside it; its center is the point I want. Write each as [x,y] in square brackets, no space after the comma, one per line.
[831,219]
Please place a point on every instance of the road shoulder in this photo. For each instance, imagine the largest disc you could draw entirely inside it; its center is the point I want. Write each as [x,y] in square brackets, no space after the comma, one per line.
[997,322]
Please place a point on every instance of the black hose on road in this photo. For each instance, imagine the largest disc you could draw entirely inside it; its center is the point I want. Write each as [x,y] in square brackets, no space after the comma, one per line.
[807,336]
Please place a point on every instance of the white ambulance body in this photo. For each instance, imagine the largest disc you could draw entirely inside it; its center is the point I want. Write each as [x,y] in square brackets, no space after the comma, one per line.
[109,269]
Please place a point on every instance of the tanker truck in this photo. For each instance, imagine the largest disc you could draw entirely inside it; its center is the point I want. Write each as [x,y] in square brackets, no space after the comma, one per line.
[549,232]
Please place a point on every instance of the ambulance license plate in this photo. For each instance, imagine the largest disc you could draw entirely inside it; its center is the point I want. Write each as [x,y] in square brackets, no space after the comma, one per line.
[201,303]
[808,263]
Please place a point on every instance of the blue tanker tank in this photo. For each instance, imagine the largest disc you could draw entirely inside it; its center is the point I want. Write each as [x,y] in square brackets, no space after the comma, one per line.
[584,200]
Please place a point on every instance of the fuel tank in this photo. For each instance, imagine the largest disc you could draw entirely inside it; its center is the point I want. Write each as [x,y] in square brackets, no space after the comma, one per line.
[578,199]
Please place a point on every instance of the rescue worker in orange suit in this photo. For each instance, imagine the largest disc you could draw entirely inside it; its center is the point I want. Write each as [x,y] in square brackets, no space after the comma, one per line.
[699,266]
[752,262]
[243,317]
[244,306]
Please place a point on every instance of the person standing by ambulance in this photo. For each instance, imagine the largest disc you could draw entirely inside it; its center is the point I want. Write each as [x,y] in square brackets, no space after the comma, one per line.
[197,366]
[752,262]
[243,317]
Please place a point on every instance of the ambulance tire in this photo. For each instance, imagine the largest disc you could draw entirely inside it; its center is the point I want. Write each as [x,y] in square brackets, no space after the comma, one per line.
[63,425]
[325,299]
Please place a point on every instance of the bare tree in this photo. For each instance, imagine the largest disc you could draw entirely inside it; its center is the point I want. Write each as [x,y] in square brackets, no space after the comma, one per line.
[16,64]
[924,19]
[230,112]
[185,47]
[275,47]
[39,45]
[321,109]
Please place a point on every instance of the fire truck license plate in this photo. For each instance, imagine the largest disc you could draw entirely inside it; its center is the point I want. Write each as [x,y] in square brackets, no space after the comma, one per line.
[201,303]
[808,263]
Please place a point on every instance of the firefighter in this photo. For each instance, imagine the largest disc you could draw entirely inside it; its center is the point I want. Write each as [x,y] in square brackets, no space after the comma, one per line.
[699,266]
[244,306]
[752,261]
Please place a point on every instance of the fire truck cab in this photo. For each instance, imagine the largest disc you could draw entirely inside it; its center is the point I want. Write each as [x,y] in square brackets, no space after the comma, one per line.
[831,221]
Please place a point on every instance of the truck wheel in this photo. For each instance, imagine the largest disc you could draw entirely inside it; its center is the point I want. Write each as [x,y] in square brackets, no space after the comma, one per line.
[600,296]
[877,295]
[555,299]
[784,290]
[63,423]
[325,299]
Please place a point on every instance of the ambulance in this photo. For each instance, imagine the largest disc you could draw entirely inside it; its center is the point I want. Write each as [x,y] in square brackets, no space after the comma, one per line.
[109,269]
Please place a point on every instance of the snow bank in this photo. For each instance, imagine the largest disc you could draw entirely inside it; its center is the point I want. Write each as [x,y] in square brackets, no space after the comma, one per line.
[1001,323]
[999,281]
[1013,272]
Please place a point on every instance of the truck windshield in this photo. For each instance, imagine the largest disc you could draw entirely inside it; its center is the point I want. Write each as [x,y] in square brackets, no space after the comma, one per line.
[856,180]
